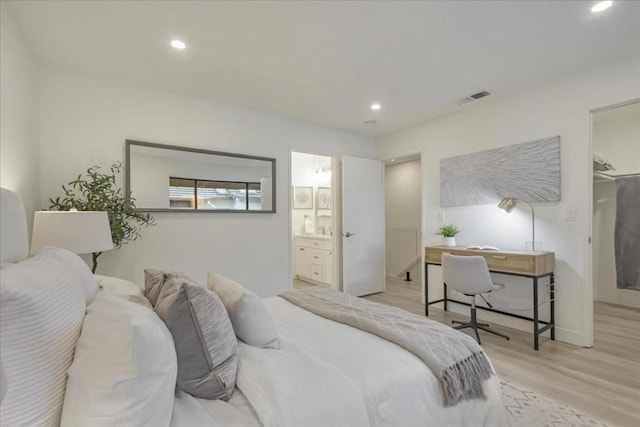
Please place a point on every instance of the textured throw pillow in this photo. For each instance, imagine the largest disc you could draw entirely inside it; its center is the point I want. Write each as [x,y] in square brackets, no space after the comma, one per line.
[42,305]
[124,369]
[250,318]
[153,281]
[206,346]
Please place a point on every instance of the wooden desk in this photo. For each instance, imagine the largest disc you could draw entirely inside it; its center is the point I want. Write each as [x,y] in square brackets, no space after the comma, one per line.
[533,265]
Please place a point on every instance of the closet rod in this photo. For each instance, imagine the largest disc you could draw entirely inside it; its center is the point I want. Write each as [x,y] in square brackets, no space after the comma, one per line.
[616,176]
[598,174]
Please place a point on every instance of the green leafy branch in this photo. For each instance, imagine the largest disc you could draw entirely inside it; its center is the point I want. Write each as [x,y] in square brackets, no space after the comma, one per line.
[448,230]
[99,192]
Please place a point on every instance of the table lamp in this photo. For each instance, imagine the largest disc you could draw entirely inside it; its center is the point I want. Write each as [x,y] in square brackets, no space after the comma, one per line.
[508,204]
[80,232]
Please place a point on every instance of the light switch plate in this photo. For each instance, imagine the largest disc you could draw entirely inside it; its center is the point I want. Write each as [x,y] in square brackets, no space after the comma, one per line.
[570,213]
[441,216]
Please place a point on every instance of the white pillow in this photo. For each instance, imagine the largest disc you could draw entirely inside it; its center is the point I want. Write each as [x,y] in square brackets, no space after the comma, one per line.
[251,320]
[89,281]
[124,289]
[124,370]
[42,304]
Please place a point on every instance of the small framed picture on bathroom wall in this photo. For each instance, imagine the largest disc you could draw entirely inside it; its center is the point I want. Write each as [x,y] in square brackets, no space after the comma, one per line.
[302,197]
[324,198]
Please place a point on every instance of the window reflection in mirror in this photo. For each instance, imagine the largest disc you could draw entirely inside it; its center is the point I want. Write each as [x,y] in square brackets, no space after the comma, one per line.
[170,178]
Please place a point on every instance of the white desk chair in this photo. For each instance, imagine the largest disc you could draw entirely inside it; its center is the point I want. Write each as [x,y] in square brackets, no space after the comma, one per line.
[470,276]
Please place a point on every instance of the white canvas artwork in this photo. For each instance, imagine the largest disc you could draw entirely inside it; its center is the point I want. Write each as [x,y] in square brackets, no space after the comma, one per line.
[529,171]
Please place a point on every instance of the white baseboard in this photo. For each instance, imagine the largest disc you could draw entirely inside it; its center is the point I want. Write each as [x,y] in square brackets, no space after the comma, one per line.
[570,336]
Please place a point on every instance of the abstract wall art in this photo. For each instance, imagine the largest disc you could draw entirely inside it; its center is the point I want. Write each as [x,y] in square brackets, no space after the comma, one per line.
[529,171]
[302,197]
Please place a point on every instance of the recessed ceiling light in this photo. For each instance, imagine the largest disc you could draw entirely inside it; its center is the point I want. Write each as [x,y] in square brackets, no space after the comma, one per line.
[178,44]
[376,107]
[601,5]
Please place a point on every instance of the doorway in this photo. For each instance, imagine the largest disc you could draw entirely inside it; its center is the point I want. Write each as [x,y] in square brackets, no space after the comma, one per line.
[403,226]
[337,223]
[312,220]
[616,185]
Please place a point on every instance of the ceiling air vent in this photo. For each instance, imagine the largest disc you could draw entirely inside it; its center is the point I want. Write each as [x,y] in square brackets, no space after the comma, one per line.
[474,97]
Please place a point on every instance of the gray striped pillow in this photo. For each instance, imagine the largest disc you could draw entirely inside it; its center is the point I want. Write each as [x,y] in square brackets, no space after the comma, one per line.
[206,345]
[42,305]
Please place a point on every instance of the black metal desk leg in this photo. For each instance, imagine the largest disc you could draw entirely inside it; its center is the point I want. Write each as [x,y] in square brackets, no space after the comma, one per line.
[552,295]
[535,313]
[445,296]
[426,289]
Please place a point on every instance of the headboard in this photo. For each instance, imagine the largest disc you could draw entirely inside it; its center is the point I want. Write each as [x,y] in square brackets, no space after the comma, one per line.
[14,236]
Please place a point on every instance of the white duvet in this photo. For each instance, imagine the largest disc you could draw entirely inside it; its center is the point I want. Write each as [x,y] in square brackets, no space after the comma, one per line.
[330,374]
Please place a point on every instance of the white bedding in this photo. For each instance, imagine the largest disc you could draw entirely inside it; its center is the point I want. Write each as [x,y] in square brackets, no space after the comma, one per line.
[292,387]
[395,387]
[189,411]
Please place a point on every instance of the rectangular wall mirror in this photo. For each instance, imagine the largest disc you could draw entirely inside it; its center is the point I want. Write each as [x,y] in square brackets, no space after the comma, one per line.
[168,178]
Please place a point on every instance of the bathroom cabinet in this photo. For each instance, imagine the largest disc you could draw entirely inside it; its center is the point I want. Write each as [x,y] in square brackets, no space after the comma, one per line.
[314,258]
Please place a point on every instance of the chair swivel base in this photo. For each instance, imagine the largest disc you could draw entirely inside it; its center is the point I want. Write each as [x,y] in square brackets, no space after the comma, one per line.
[473,324]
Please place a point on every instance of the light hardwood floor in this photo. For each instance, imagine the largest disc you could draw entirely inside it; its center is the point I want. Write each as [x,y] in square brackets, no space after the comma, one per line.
[603,381]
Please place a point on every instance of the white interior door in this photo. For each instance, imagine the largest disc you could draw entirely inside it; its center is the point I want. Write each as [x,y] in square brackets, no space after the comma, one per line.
[362,226]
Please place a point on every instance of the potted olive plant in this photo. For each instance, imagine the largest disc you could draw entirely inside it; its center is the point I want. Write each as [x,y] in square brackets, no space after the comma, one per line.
[99,192]
[448,233]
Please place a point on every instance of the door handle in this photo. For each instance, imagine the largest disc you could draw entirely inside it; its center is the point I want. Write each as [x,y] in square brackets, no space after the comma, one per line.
[347,234]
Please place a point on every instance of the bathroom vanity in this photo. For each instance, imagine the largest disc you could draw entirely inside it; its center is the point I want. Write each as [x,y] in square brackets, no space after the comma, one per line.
[314,258]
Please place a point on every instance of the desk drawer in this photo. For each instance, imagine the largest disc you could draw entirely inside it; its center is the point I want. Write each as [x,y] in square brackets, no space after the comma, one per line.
[511,263]
[435,256]
[527,263]
[308,242]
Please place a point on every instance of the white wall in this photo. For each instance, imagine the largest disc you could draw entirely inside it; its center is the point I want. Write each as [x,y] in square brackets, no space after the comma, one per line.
[559,108]
[18,114]
[618,140]
[403,192]
[85,120]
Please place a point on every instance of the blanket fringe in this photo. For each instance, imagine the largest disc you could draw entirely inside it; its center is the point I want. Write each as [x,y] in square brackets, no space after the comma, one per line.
[463,381]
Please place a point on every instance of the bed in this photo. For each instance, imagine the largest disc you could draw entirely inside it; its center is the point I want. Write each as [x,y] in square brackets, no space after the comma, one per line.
[324,373]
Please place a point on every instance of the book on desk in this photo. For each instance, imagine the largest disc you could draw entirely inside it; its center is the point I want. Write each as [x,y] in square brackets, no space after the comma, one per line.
[482,248]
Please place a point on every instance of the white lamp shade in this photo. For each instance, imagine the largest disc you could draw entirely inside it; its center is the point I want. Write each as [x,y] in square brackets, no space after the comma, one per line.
[79,232]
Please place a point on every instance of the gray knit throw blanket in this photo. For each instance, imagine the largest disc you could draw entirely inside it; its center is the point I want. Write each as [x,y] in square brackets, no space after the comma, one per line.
[455,359]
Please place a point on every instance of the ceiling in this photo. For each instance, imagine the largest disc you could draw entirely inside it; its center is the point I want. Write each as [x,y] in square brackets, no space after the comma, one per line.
[326,62]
